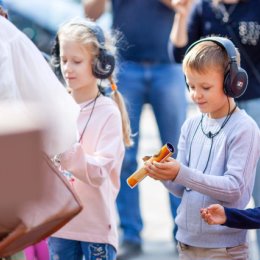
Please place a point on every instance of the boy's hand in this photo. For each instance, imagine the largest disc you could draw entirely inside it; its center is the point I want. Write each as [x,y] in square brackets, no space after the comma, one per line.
[214,214]
[163,171]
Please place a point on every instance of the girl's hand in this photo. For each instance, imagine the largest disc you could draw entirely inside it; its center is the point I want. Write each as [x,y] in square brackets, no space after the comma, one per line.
[214,214]
[163,171]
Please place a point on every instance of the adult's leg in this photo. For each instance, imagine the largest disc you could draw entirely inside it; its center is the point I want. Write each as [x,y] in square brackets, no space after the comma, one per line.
[167,96]
[130,82]
[64,249]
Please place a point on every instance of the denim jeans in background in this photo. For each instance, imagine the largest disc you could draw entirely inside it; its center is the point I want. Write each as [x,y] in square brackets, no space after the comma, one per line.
[66,249]
[252,107]
[163,87]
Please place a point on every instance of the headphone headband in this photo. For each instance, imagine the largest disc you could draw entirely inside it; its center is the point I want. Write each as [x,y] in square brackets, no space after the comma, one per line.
[94,28]
[225,43]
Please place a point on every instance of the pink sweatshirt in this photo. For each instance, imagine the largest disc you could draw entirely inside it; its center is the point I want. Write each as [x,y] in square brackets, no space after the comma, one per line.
[95,165]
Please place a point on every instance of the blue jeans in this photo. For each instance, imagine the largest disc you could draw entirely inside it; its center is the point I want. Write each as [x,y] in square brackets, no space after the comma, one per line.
[163,87]
[64,249]
[252,107]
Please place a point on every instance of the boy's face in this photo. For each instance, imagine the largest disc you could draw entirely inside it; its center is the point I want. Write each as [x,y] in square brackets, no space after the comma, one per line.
[206,90]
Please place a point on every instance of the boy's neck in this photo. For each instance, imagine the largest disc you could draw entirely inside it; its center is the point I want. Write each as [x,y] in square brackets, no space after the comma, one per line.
[231,105]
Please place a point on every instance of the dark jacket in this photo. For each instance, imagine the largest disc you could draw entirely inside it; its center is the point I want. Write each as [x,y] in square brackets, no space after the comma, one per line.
[244,219]
[145,26]
[244,18]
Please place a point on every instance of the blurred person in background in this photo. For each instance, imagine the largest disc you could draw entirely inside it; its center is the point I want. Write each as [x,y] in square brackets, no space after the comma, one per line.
[145,75]
[238,20]
[27,79]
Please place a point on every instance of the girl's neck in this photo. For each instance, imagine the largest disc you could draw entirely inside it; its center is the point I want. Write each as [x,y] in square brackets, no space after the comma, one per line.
[84,94]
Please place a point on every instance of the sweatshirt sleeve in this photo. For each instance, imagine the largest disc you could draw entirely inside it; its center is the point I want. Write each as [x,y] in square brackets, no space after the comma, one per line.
[232,180]
[243,219]
[94,168]
[243,147]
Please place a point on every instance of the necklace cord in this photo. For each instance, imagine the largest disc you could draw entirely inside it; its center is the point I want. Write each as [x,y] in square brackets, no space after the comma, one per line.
[92,110]
[210,134]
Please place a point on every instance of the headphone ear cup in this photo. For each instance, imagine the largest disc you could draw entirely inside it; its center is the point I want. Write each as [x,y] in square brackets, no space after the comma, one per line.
[227,84]
[103,65]
[55,60]
[235,82]
[239,83]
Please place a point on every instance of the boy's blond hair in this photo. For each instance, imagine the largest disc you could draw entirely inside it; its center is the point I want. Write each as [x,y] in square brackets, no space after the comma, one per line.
[207,55]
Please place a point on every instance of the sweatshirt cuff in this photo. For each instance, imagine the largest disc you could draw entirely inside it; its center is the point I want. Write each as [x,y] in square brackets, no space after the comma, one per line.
[183,175]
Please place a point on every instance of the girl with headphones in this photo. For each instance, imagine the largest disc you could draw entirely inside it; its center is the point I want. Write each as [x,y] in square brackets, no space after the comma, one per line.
[218,152]
[93,164]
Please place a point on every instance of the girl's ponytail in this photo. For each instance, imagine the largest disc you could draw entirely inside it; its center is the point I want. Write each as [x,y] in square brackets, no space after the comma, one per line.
[118,98]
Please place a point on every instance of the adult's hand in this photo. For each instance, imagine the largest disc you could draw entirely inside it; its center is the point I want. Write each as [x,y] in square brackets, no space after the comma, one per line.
[182,7]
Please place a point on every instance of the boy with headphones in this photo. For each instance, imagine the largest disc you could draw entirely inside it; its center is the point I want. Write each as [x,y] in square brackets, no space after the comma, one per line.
[217,152]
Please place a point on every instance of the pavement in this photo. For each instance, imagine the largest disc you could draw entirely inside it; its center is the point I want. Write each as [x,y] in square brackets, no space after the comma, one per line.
[158,223]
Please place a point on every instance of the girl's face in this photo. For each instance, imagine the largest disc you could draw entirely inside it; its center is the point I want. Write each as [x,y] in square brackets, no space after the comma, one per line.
[76,65]
[206,90]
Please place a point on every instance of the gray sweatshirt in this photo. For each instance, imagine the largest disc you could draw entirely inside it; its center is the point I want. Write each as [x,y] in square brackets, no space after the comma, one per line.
[228,178]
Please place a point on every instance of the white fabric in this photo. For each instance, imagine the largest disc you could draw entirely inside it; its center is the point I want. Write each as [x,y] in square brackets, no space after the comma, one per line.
[27,78]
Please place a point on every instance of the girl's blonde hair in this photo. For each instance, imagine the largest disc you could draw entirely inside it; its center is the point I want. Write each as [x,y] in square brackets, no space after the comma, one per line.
[78,30]
[207,55]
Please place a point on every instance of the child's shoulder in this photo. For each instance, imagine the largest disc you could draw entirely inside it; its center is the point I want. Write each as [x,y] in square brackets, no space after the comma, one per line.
[242,128]
[243,120]
[107,105]
[190,121]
